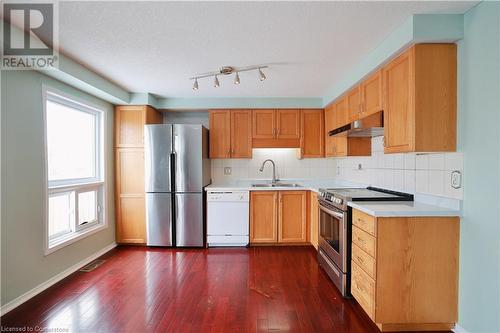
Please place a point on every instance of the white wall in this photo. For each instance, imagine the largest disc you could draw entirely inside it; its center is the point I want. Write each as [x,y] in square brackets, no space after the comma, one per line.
[23,263]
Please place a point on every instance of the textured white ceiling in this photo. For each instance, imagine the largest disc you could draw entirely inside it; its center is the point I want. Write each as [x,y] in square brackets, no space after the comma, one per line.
[155,46]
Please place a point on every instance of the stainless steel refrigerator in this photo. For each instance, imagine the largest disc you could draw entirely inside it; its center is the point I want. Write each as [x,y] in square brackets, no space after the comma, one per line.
[177,168]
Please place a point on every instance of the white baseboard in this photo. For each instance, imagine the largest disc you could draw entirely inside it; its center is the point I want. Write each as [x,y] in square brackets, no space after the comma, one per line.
[459,329]
[50,282]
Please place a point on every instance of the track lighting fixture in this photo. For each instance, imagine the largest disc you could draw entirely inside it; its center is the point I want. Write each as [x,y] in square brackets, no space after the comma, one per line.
[262,76]
[226,70]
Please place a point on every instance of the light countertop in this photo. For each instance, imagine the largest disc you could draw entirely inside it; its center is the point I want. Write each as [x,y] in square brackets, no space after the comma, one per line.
[374,208]
[402,209]
[305,185]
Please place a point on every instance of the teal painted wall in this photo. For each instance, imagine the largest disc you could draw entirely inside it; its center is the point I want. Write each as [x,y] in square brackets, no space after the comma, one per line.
[479,139]
[23,264]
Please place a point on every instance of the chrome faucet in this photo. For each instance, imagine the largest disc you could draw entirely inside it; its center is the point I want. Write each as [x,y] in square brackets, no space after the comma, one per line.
[273,181]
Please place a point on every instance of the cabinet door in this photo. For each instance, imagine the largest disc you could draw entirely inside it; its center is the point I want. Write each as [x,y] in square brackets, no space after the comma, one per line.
[220,133]
[314,219]
[129,126]
[264,124]
[292,217]
[313,133]
[329,125]
[130,201]
[241,134]
[371,91]
[288,124]
[398,108]
[341,113]
[263,217]
[339,146]
[354,103]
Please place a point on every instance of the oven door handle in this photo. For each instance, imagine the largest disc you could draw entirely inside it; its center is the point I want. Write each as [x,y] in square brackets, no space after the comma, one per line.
[332,212]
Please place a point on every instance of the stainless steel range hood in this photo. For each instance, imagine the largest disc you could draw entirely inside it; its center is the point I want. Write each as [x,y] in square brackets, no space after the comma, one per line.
[370,126]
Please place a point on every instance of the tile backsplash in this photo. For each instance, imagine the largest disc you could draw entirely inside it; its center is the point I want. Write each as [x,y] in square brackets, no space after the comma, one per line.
[413,173]
[428,173]
[287,166]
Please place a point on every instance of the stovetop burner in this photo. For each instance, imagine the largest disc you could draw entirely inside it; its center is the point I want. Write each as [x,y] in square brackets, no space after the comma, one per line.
[339,197]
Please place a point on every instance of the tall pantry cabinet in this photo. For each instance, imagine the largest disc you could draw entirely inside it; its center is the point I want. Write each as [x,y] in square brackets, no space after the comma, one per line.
[129,169]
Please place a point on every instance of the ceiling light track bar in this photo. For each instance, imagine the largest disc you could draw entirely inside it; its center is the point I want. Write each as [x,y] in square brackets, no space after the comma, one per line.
[227,72]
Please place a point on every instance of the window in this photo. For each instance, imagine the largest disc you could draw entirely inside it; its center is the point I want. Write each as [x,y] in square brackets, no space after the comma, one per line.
[75,169]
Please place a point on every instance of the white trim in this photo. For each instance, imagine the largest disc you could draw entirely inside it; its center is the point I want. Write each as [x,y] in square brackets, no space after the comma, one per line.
[74,237]
[459,329]
[101,173]
[53,280]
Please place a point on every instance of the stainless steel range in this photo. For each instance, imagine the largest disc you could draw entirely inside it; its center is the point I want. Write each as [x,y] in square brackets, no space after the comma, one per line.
[335,225]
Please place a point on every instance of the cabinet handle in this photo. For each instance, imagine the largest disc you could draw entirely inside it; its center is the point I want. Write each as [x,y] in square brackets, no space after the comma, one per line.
[360,259]
[360,220]
[361,240]
[229,152]
[383,140]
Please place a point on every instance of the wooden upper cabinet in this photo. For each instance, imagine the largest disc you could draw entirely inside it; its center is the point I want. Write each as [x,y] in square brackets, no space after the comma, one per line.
[371,94]
[340,146]
[230,133]
[420,99]
[129,124]
[329,125]
[241,134]
[288,124]
[264,124]
[276,128]
[220,133]
[341,115]
[313,137]
[263,216]
[398,127]
[354,104]
[292,217]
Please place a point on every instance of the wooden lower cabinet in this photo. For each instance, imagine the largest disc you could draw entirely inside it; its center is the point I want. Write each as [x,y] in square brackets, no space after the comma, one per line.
[263,217]
[314,219]
[405,271]
[278,217]
[292,217]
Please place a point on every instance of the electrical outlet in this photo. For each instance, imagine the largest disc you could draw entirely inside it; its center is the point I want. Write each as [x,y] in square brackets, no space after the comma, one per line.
[456,179]
[227,171]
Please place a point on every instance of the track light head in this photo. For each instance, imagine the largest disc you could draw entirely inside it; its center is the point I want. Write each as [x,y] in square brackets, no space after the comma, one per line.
[237,78]
[195,84]
[262,76]
[216,82]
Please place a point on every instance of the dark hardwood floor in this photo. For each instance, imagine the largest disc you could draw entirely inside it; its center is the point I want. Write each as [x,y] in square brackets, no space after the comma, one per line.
[217,290]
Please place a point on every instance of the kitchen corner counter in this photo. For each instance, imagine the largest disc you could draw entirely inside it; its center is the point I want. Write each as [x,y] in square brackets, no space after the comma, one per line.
[305,185]
[402,209]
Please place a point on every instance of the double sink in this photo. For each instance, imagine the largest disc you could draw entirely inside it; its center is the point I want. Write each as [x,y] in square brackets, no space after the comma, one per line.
[277,184]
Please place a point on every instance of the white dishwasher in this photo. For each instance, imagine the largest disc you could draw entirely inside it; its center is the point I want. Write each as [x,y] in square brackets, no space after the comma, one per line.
[228,218]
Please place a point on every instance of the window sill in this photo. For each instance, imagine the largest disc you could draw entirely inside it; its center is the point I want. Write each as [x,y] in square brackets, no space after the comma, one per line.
[72,238]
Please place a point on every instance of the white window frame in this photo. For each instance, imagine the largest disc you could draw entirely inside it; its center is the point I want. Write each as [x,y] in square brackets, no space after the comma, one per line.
[97,183]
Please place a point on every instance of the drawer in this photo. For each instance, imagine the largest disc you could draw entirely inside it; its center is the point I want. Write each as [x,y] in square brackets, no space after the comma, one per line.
[364,221]
[363,290]
[364,240]
[364,261]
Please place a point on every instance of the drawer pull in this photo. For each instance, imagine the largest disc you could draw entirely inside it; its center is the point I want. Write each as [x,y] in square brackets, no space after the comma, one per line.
[360,259]
[361,240]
